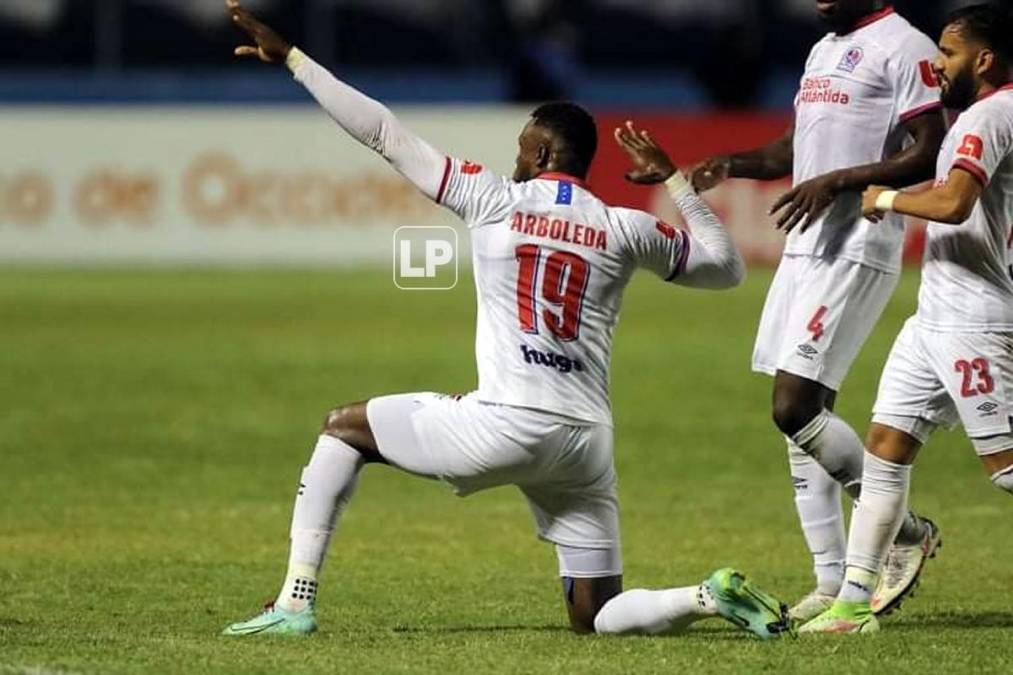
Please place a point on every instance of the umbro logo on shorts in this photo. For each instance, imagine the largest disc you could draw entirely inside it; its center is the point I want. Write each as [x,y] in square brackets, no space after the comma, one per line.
[807,350]
[988,408]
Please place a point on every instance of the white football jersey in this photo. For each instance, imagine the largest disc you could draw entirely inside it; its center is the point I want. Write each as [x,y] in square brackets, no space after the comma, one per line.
[857,92]
[551,261]
[967,276]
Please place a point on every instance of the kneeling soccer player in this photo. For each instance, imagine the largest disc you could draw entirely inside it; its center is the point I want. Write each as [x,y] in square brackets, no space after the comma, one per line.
[954,359]
[550,263]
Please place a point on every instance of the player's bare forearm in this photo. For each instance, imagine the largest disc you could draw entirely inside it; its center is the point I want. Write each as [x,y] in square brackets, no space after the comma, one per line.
[770,162]
[940,205]
[950,203]
[803,204]
[910,166]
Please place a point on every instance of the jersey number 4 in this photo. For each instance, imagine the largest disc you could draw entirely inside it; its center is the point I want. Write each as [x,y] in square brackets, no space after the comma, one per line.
[816,326]
[563,283]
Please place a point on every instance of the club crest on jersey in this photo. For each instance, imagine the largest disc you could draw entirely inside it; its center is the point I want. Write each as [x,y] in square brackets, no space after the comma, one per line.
[851,59]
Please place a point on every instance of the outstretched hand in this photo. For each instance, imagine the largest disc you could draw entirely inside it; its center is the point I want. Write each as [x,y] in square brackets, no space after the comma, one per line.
[269,48]
[803,205]
[651,164]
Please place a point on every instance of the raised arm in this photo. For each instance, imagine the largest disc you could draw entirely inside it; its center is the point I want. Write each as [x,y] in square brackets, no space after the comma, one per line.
[366,120]
[771,162]
[712,261]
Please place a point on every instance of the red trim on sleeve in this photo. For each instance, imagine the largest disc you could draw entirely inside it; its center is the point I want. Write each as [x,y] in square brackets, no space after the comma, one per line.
[972,169]
[443,183]
[920,110]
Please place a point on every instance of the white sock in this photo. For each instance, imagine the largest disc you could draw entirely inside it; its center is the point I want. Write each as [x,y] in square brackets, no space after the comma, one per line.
[818,502]
[654,612]
[877,516]
[836,446]
[859,585]
[325,488]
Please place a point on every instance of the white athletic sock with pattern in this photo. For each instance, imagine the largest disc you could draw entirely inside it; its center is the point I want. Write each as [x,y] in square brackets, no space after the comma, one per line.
[818,502]
[836,446]
[830,441]
[655,612]
[877,516]
[325,488]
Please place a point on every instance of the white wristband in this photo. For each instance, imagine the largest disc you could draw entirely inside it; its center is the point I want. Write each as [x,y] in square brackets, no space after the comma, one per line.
[294,59]
[678,185]
[885,200]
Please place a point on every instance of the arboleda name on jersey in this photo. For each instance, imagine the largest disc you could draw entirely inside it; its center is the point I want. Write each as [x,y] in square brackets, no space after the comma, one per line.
[563,364]
[559,230]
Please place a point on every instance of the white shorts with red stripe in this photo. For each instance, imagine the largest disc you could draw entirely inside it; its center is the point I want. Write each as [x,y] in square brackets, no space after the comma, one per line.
[563,467]
[818,314]
[946,378]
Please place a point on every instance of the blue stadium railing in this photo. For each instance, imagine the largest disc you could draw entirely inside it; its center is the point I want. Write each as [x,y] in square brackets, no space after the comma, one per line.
[663,89]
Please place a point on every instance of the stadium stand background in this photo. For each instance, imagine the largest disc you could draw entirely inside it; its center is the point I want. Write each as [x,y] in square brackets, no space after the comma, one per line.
[131,135]
[683,53]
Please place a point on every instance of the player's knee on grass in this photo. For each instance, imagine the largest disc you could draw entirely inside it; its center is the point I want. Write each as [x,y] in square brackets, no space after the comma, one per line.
[796,402]
[350,424]
[585,598]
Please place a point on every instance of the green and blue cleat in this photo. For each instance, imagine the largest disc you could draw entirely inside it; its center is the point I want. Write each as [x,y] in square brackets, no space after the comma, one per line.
[844,617]
[276,621]
[746,606]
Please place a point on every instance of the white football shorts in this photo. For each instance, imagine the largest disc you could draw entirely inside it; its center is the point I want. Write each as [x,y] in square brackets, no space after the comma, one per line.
[564,469]
[817,316]
[946,378]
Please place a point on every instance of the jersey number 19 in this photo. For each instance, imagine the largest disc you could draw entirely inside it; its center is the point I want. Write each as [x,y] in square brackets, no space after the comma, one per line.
[564,281]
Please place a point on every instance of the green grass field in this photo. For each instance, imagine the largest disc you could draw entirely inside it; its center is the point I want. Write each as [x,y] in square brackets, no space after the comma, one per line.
[153,426]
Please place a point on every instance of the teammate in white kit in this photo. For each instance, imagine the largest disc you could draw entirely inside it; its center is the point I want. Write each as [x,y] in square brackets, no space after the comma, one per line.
[867,113]
[550,262]
[953,361]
